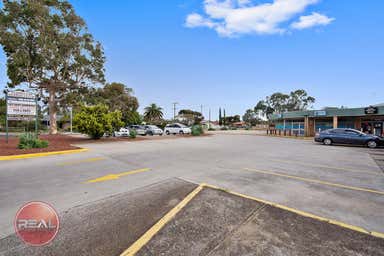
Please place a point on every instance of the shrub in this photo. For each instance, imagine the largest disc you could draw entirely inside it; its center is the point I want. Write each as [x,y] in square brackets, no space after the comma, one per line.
[211,129]
[197,130]
[30,140]
[97,120]
[224,128]
[132,134]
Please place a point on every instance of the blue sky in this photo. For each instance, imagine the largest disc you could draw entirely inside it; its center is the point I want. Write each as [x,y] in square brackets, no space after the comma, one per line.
[333,49]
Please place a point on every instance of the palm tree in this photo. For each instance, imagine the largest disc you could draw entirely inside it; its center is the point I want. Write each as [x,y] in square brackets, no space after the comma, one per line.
[153,113]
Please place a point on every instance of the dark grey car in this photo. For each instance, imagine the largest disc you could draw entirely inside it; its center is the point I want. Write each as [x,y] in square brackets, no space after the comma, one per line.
[348,136]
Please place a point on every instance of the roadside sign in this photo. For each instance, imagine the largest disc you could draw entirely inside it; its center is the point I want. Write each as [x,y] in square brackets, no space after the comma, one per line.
[21,106]
[21,95]
[21,118]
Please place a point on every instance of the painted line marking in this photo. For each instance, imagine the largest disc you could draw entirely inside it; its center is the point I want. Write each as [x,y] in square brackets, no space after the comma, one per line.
[302,213]
[24,156]
[116,176]
[144,239]
[88,160]
[316,181]
[147,236]
[328,167]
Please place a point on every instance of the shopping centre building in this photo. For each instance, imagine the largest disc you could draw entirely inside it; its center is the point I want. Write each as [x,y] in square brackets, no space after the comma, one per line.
[368,119]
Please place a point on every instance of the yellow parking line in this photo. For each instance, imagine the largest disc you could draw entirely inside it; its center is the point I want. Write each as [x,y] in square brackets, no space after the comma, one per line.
[302,213]
[327,166]
[136,246]
[316,181]
[88,160]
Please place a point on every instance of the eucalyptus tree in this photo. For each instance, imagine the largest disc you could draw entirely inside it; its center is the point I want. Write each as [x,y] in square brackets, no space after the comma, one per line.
[48,48]
[279,102]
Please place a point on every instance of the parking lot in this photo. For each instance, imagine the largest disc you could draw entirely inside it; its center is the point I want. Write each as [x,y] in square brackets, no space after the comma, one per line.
[340,183]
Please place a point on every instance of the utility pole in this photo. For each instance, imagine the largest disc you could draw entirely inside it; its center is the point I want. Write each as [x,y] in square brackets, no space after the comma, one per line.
[174,110]
[209,121]
[224,121]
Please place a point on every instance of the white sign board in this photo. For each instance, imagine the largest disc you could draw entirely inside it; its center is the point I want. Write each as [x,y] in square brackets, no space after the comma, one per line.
[21,104]
[24,108]
[20,94]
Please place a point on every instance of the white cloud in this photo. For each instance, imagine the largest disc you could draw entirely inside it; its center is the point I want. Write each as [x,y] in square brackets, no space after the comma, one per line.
[237,17]
[315,19]
[196,20]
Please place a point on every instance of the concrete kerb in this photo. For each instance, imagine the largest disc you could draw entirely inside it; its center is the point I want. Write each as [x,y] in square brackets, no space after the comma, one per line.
[147,236]
[34,155]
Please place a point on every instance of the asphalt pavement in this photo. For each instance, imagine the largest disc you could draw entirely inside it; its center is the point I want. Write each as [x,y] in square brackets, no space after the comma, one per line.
[337,182]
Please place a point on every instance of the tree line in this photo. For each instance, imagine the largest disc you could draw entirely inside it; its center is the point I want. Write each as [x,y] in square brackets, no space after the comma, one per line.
[278,102]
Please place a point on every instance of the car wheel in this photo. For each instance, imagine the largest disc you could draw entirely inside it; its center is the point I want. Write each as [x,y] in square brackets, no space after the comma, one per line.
[150,133]
[327,142]
[181,132]
[167,132]
[372,144]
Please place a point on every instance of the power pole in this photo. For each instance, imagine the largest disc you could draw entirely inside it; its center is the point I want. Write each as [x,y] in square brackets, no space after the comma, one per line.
[209,121]
[224,121]
[174,110]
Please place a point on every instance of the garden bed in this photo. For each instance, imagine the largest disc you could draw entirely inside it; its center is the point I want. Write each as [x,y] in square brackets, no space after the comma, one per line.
[56,143]
[67,142]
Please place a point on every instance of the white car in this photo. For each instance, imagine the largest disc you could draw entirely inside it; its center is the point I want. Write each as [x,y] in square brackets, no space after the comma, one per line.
[123,132]
[176,128]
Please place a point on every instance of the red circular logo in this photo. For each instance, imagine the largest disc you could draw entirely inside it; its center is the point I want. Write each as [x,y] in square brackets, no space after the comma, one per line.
[36,223]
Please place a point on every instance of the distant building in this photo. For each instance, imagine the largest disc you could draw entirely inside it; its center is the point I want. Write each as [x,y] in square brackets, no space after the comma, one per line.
[369,119]
[210,124]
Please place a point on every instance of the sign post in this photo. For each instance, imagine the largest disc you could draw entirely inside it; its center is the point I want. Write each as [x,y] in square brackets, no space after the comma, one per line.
[6,116]
[37,111]
[70,116]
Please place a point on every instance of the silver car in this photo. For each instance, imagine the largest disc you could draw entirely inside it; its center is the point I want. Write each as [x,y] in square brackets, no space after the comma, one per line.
[140,129]
[153,130]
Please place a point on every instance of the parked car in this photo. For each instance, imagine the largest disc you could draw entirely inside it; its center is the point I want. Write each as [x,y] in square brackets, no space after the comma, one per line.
[153,130]
[140,129]
[121,133]
[348,136]
[176,128]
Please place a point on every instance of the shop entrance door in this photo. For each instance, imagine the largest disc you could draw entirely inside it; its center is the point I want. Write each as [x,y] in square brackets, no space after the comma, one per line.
[373,127]
[378,128]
